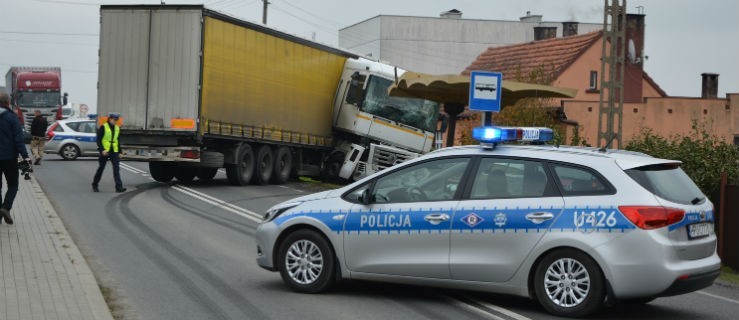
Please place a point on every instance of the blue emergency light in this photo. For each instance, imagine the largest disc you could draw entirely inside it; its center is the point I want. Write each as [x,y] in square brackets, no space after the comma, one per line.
[506,134]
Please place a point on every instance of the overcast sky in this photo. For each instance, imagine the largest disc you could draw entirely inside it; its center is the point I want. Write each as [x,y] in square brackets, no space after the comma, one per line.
[684,38]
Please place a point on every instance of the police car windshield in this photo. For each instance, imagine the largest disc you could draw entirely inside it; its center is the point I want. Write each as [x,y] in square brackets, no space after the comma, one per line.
[669,182]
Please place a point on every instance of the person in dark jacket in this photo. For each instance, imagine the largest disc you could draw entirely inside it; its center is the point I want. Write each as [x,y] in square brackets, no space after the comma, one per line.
[11,145]
[109,148]
[38,136]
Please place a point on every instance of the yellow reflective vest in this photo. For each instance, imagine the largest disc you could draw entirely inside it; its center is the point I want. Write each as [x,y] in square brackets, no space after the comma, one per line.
[110,138]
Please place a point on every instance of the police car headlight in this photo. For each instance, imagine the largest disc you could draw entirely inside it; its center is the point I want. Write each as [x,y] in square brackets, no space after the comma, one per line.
[279,209]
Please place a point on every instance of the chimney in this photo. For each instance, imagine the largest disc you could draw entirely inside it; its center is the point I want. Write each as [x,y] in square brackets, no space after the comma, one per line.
[530,18]
[569,28]
[451,14]
[710,86]
[543,33]
[633,53]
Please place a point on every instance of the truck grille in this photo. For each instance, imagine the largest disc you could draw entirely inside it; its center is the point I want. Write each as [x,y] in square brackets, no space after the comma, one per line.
[384,157]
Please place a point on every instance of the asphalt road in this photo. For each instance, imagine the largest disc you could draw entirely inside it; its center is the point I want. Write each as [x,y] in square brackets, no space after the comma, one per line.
[187,252]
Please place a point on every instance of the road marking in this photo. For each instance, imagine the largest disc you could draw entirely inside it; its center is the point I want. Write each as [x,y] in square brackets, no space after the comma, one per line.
[131,168]
[471,308]
[717,297]
[498,309]
[251,215]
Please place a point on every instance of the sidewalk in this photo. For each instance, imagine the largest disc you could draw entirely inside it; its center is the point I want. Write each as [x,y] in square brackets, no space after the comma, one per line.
[42,272]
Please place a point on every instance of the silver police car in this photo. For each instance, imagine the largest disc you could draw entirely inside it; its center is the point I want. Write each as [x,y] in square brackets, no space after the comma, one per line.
[569,227]
[72,138]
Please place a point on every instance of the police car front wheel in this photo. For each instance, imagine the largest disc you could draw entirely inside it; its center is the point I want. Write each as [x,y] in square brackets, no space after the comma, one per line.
[569,283]
[306,262]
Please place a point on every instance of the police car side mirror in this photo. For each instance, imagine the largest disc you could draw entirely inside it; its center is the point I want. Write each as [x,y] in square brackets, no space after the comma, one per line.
[365,198]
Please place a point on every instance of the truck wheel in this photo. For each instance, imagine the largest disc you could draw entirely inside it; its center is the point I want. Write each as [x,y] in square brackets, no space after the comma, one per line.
[161,171]
[241,173]
[331,167]
[184,174]
[264,165]
[568,283]
[306,262]
[207,174]
[283,165]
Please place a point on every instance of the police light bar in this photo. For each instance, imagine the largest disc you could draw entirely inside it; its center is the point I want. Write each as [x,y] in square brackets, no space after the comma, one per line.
[507,134]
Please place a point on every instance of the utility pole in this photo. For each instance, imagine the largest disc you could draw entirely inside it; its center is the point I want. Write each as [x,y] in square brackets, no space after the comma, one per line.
[264,11]
[610,112]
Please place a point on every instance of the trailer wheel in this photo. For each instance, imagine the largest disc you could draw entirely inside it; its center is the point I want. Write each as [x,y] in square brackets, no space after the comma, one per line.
[184,174]
[283,165]
[241,173]
[264,165]
[161,171]
[207,174]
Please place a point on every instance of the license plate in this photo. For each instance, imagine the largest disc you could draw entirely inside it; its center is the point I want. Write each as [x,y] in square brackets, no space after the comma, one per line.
[699,230]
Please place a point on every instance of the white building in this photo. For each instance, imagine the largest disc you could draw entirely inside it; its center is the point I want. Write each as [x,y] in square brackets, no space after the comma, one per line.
[447,44]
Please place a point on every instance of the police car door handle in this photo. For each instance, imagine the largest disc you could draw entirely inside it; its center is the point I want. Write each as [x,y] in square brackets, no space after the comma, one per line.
[436,218]
[539,217]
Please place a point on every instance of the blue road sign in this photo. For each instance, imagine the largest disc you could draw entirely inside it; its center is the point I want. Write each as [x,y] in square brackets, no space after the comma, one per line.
[485,89]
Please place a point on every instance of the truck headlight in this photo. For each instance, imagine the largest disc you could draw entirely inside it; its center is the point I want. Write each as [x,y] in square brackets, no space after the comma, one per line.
[277,210]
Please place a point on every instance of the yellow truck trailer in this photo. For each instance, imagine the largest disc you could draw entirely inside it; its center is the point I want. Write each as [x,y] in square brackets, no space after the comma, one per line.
[199,90]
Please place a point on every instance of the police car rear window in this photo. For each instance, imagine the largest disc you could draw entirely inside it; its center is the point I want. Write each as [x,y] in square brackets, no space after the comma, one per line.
[577,181]
[669,182]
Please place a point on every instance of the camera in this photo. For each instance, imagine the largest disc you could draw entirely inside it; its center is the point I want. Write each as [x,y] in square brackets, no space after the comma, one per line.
[25,168]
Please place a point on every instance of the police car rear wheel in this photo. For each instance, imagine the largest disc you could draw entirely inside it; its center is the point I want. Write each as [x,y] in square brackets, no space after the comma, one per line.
[306,262]
[70,152]
[569,283]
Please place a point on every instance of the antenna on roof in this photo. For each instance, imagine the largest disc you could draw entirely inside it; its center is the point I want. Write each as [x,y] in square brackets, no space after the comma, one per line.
[608,145]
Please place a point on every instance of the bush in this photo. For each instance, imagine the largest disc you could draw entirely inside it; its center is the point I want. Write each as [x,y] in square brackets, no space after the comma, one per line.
[704,155]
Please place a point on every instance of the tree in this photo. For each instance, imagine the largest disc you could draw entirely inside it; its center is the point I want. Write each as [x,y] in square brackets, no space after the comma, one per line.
[704,155]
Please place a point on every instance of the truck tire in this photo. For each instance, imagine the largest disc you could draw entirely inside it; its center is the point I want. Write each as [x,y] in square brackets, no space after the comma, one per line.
[207,174]
[161,171]
[265,162]
[331,167]
[185,174]
[283,165]
[241,173]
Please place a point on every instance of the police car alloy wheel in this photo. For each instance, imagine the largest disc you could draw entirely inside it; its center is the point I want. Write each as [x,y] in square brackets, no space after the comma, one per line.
[306,262]
[70,152]
[569,283]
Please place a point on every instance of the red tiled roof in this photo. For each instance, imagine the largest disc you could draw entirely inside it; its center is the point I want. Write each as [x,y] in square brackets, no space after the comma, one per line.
[518,61]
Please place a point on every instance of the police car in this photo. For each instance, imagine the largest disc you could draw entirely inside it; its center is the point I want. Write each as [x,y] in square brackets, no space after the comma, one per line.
[72,138]
[570,227]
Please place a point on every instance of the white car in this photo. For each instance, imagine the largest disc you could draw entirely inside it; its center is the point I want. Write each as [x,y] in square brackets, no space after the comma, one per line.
[72,138]
[570,227]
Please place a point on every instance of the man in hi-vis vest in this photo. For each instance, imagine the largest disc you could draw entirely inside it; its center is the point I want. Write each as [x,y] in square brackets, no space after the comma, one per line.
[109,148]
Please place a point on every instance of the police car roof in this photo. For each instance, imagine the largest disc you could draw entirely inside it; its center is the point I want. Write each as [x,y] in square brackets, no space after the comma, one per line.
[625,159]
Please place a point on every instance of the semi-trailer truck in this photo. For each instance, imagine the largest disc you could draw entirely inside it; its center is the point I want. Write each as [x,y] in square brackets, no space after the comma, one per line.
[199,90]
[35,88]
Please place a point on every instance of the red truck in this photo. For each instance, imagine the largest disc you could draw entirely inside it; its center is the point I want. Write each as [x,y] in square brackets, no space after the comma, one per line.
[35,88]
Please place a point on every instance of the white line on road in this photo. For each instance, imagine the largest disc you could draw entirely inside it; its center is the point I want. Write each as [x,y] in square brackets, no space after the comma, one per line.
[132,169]
[251,215]
[717,297]
[498,309]
[471,308]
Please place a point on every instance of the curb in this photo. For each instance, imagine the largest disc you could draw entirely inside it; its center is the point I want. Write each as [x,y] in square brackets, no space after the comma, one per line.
[94,297]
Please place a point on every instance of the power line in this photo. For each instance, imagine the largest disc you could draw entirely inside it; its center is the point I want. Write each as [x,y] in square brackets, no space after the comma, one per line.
[69,2]
[51,33]
[50,42]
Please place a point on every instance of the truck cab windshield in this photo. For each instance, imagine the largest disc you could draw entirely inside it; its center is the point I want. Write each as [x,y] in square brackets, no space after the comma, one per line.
[39,99]
[416,113]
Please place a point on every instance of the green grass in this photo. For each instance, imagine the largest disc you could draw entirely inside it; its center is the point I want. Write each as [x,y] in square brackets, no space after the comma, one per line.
[321,184]
[729,275]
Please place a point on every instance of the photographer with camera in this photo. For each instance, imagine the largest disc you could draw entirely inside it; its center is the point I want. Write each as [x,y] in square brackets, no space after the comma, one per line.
[11,145]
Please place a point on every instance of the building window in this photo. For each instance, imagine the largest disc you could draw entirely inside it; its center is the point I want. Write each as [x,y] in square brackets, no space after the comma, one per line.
[593,80]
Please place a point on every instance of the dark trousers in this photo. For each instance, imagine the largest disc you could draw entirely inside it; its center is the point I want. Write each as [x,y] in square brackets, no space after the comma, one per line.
[9,169]
[115,161]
